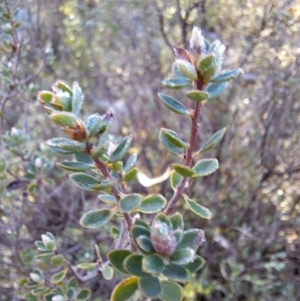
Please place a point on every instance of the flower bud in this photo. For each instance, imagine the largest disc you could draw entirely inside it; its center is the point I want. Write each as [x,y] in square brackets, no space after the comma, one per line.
[163,238]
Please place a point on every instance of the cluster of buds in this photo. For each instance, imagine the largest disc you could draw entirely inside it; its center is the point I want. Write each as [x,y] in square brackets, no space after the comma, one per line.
[64,105]
[202,61]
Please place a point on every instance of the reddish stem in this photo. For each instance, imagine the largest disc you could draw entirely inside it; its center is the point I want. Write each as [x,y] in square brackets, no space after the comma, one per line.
[114,190]
[189,153]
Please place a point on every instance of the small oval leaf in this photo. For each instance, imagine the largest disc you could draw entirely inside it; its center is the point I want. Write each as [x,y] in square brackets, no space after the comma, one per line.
[64,118]
[173,104]
[84,181]
[152,203]
[197,95]
[74,166]
[198,209]
[130,175]
[83,295]
[174,138]
[121,150]
[133,264]
[108,272]
[150,287]
[176,83]
[77,99]
[117,257]
[184,170]
[227,75]
[176,273]
[130,202]
[152,264]
[170,291]
[215,89]
[125,289]
[96,218]
[170,147]
[175,179]
[205,167]
[58,277]
[213,140]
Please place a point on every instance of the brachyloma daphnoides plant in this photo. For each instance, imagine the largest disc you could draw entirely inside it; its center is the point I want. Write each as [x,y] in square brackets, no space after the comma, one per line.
[159,256]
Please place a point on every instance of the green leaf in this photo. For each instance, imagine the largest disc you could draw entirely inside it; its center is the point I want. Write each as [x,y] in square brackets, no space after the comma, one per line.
[170,291]
[133,264]
[72,283]
[71,293]
[175,179]
[115,232]
[195,265]
[130,202]
[137,231]
[206,63]
[84,181]
[145,244]
[57,260]
[170,147]
[58,277]
[150,287]
[77,99]
[117,257]
[177,72]
[183,256]
[40,245]
[45,96]
[64,118]
[215,89]
[205,167]
[152,264]
[173,104]
[49,242]
[63,100]
[176,221]
[96,218]
[192,238]
[108,272]
[89,183]
[63,86]
[66,144]
[198,209]
[108,199]
[83,295]
[84,158]
[49,296]
[58,298]
[130,163]
[173,138]
[176,273]
[45,257]
[31,297]
[152,203]
[176,83]
[227,75]
[125,289]
[141,223]
[197,95]
[184,170]
[87,265]
[74,166]
[213,140]
[121,150]
[130,175]
[93,124]
[187,69]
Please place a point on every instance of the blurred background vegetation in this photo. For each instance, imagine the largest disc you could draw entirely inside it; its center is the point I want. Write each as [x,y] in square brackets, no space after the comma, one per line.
[119,52]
